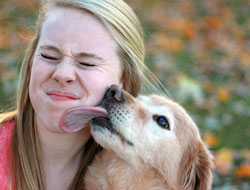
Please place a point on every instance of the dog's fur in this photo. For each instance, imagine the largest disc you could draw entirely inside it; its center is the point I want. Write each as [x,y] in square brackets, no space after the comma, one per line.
[140,155]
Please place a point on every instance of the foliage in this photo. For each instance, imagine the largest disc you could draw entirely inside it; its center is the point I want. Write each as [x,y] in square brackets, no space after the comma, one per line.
[199,49]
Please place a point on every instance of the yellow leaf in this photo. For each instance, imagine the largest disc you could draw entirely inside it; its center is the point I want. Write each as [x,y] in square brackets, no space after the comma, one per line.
[183,26]
[224,95]
[245,58]
[167,43]
[211,140]
[224,161]
[243,171]
[214,22]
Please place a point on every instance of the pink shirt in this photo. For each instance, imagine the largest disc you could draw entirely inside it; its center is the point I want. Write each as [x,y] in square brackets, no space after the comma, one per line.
[6,134]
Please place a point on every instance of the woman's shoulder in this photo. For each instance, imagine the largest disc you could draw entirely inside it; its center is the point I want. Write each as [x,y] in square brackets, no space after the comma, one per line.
[7,121]
[6,129]
[6,138]
[7,125]
[7,116]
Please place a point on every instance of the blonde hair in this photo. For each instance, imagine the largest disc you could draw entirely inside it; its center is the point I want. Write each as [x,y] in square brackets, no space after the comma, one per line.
[126,30]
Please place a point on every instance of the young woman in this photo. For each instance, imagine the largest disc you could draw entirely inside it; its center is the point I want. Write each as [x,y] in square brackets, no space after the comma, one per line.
[80,48]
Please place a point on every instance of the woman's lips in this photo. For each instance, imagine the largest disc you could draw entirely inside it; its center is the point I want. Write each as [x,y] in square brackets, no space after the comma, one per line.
[62,96]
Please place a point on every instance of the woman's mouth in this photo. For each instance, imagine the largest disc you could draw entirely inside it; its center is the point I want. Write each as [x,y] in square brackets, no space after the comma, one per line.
[62,96]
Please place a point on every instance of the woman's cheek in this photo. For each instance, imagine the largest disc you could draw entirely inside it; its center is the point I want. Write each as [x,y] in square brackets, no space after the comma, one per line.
[97,84]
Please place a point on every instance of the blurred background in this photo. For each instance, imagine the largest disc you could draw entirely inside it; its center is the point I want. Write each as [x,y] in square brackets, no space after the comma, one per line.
[200,50]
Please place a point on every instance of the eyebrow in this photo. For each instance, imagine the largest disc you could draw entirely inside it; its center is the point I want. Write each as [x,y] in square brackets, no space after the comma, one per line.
[78,55]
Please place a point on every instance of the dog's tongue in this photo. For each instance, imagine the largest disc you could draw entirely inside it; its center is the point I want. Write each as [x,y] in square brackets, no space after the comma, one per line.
[75,119]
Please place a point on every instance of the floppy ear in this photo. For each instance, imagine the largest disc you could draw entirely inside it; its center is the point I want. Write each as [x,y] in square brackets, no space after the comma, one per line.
[195,172]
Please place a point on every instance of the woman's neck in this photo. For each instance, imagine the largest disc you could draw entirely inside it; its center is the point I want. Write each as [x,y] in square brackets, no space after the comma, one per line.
[62,149]
[61,156]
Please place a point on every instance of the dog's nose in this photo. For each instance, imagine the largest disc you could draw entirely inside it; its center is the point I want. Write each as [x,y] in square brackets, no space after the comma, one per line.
[114,93]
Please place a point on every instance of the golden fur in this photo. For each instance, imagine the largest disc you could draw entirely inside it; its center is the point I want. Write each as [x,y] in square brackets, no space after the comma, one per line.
[141,155]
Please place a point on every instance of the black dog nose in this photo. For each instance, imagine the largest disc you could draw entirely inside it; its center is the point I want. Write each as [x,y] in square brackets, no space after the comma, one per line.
[114,93]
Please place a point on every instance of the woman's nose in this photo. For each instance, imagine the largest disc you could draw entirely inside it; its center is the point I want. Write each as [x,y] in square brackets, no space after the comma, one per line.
[64,73]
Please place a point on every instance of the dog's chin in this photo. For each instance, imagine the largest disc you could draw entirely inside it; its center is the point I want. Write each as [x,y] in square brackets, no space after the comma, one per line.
[103,124]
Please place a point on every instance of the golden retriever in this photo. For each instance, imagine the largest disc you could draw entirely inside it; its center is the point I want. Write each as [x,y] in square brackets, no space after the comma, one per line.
[150,143]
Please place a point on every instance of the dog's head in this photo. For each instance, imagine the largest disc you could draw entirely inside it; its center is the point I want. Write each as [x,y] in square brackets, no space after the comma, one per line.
[153,131]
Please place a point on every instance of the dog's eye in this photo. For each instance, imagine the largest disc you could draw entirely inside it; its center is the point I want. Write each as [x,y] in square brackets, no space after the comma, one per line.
[162,121]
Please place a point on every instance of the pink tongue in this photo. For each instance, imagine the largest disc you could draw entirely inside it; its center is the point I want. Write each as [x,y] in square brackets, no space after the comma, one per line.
[75,119]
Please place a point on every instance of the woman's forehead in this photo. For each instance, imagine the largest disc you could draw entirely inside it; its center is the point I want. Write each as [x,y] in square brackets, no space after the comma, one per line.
[77,30]
[74,20]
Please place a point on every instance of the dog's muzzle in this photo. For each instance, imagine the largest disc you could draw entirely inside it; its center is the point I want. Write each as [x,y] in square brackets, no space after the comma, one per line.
[113,98]
[114,95]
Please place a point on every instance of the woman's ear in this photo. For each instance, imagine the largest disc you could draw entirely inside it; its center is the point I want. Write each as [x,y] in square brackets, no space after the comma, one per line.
[196,168]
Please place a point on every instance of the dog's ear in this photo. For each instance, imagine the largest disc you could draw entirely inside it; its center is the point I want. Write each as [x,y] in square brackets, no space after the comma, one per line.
[195,172]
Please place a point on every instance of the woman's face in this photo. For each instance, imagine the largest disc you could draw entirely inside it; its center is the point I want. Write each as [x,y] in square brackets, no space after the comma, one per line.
[75,62]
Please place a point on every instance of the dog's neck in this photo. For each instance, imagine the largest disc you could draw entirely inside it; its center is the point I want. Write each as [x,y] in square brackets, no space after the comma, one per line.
[169,175]
[166,172]
[143,171]
[166,166]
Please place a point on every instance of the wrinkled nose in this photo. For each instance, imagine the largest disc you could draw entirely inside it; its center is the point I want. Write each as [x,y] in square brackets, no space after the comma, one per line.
[64,74]
[114,93]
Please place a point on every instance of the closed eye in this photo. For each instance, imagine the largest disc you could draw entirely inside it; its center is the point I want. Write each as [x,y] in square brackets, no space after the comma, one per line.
[85,64]
[49,57]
